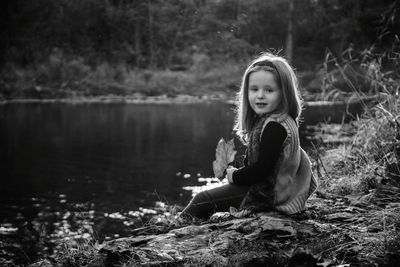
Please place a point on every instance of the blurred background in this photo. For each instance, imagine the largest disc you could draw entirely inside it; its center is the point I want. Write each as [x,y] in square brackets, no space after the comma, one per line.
[70,48]
[80,161]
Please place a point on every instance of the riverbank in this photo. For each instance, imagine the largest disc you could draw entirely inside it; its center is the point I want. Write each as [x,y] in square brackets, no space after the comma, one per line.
[131,99]
[352,220]
[335,230]
[64,79]
[313,111]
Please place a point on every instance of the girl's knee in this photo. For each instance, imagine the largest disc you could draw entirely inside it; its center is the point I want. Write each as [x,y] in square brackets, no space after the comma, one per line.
[200,206]
[201,197]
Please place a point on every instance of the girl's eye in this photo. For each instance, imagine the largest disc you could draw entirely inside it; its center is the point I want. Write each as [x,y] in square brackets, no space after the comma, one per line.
[253,89]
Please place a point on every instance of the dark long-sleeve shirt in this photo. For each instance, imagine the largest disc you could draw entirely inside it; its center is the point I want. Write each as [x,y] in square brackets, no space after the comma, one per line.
[272,140]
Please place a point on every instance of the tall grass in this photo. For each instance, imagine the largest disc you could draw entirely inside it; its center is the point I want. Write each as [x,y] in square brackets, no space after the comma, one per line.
[366,171]
[375,149]
[377,141]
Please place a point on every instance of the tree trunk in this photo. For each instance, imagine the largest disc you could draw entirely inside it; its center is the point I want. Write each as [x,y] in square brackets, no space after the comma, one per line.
[238,9]
[138,51]
[175,40]
[151,49]
[289,34]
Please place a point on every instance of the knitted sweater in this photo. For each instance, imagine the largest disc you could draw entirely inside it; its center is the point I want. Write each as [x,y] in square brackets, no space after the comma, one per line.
[268,151]
[292,181]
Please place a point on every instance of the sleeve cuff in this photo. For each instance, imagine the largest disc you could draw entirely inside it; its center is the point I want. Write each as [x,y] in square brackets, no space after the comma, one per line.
[230,178]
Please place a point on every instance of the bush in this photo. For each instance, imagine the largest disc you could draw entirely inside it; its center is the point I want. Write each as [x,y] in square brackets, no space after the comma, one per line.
[373,156]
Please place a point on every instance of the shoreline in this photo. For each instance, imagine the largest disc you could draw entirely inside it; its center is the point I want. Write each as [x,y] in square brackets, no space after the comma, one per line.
[314,111]
[132,99]
[176,99]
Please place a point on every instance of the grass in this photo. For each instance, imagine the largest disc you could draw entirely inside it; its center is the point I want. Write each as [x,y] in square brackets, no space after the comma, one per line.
[73,254]
[374,152]
[365,173]
[80,254]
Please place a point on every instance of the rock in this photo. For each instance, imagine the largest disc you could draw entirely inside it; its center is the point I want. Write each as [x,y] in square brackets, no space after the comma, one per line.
[214,243]
[42,263]
[341,217]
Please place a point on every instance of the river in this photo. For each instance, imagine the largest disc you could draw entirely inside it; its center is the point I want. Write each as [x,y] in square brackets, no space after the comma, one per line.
[96,171]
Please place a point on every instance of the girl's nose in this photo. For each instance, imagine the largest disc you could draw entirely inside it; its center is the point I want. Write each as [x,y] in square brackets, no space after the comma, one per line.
[260,94]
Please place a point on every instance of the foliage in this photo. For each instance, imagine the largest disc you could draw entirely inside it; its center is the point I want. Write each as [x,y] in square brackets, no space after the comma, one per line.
[64,77]
[167,33]
[224,155]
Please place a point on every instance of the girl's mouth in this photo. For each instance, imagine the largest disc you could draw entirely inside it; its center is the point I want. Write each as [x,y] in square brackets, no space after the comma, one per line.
[261,105]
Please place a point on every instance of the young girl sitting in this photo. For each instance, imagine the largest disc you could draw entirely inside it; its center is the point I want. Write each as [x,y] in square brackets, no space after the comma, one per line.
[277,172]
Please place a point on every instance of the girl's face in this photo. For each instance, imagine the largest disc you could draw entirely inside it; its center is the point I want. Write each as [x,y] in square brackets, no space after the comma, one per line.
[264,93]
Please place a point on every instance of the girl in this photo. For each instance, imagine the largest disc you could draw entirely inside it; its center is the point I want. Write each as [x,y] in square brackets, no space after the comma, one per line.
[277,172]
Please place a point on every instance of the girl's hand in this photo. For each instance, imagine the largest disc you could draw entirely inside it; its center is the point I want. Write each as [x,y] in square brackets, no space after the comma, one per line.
[229,172]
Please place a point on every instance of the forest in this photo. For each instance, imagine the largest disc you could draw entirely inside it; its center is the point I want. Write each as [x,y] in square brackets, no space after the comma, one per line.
[71,48]
[61,158]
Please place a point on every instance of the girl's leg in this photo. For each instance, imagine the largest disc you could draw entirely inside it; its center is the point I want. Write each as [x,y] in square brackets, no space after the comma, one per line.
[220,198]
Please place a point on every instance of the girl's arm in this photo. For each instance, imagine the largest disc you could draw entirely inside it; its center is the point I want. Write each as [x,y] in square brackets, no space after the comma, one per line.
[272,140]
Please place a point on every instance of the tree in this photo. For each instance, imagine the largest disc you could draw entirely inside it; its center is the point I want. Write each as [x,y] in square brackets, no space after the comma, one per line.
[289,33]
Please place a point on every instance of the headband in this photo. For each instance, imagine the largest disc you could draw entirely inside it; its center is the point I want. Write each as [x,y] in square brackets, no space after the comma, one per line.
[264,63]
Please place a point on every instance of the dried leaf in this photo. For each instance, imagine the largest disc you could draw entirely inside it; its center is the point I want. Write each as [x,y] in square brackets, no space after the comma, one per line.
[239,213]
[219,216]
[278,227]
[225,154]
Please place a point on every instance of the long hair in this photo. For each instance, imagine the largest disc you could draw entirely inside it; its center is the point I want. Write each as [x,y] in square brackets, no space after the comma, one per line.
[291,102]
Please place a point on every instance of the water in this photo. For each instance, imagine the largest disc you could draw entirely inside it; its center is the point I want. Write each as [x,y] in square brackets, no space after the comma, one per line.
[72,171]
